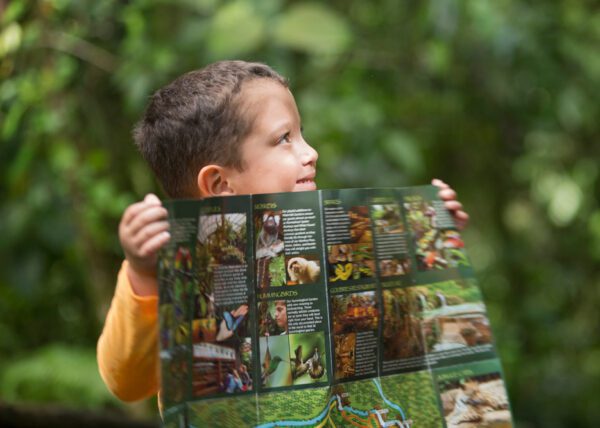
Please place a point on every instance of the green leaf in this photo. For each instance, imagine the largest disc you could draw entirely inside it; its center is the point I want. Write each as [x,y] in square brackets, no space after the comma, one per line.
[236,29]
[13,11]
[403,150]
[12,120]
[10,39]
[313,28]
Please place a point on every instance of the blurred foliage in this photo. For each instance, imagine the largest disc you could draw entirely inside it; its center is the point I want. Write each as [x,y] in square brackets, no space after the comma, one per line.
[54,374]
[500,99]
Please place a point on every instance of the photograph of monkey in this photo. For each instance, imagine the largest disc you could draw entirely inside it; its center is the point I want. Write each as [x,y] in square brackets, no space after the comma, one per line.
[270,263]
[269,242]
[303,269]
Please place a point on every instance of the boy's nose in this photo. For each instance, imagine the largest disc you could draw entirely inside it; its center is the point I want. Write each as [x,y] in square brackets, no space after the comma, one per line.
[309,154]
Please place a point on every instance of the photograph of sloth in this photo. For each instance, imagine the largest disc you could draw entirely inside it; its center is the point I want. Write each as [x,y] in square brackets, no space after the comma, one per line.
[303,270]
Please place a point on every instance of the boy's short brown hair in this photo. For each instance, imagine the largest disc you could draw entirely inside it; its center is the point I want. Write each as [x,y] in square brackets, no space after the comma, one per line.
[195,121]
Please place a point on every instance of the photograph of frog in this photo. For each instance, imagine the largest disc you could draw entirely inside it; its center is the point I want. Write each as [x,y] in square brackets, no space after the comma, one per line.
[270,262]
[434,248]
[350,261]
[475,401]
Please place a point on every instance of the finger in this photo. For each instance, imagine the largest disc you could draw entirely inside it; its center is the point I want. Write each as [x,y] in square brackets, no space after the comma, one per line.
[151,198]
[153,244]
[439,183]
[149,215]
[131,211]
[461,219]
[149,231]
[134,209]
[447,194]
[460,215]
[453,205]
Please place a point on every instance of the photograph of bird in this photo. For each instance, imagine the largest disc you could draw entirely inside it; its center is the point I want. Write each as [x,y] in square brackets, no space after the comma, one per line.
[315,368]
[312,365]
[299,367]
[270,365]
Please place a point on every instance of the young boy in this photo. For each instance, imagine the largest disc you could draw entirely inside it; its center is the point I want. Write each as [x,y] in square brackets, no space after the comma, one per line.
[231,128]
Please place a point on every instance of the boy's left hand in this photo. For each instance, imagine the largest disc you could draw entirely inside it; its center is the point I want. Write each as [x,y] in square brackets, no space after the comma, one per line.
[448,195]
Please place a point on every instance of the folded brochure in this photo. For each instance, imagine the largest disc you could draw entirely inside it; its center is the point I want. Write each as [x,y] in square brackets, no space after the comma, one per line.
[353,307]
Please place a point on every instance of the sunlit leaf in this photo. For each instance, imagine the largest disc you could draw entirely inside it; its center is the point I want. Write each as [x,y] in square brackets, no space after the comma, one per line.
[237,29]
[10,39]
[313,28]
[565,201]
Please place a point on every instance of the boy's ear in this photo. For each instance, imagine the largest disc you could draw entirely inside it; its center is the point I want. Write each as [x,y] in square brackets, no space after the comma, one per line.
[212,181]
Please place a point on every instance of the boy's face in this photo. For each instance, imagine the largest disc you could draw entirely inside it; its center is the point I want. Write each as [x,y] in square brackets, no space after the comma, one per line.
[275,157]
[281,314]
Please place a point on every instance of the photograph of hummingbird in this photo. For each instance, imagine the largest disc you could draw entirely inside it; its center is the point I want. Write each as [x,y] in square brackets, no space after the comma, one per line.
[312,365]
[269,366]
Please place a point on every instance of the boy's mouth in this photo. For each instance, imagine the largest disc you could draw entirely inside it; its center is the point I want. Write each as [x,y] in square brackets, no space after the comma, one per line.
[310,178]
[306,183]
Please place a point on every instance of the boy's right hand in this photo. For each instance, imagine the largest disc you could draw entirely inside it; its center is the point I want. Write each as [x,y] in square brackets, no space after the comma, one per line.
[143,231]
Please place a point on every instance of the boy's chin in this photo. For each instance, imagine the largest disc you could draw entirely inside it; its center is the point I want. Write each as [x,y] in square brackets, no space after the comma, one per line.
[305,186]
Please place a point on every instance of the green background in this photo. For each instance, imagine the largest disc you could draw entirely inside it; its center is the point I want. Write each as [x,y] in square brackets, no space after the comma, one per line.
[498,98]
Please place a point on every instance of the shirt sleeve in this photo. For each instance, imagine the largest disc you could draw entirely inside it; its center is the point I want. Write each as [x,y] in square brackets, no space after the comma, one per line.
[127,349]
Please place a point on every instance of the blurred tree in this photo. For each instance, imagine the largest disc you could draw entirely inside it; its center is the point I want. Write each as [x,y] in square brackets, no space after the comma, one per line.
[497,98]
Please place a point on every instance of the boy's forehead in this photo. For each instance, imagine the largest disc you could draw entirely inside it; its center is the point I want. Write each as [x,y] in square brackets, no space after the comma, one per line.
[266,97]
[260,85]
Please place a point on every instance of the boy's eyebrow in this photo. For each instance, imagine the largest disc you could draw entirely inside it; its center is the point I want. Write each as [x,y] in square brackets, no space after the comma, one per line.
[278,128]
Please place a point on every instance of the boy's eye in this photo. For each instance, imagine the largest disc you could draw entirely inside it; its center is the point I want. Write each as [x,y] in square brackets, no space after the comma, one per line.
[285,138]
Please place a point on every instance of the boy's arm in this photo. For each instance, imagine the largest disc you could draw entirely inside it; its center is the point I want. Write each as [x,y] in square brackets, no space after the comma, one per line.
[128,347]
[461,218]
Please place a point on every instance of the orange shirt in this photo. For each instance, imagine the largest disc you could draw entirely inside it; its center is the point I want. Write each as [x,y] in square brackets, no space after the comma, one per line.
[127,350]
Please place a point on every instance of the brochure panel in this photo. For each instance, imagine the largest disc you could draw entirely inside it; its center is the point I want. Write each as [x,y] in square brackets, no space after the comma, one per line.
[354,307]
